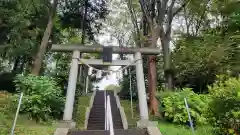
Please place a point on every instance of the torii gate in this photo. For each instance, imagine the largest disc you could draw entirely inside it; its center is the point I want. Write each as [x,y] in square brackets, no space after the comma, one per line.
[73,74]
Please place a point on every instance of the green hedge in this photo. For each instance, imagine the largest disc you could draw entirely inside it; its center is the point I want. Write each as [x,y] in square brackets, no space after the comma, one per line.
[174,109]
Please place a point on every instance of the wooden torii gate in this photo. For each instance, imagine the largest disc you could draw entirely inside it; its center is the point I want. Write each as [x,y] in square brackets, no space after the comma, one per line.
[73,74]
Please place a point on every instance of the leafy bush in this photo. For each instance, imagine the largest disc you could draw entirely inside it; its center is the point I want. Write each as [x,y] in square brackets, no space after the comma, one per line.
[42,97]
[224,109]
[175,110]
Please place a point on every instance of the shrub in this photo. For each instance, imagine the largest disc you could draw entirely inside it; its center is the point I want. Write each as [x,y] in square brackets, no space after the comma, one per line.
[224,109]
[42,97]
[175,110]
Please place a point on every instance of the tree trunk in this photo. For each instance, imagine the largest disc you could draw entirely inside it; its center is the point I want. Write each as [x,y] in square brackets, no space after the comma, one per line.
[23,63]
[152,74]
[167,63]
[152,85]
[44,43]
[16,63]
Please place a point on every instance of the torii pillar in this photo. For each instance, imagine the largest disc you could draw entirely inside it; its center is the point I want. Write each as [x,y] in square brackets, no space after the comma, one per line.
[72,81]
[142,98]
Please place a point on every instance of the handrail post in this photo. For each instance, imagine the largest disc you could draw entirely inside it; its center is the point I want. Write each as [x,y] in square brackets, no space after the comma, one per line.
[110,116]
[105,105]
[17,113]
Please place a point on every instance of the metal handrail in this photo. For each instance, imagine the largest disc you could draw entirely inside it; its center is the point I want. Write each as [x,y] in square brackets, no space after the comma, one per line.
[105,106]
[108,116]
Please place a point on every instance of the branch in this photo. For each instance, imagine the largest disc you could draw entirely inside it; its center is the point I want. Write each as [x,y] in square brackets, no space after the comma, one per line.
[170,17]
[134,22]
[201,18]
[145,11]
[181,7]
[161,7]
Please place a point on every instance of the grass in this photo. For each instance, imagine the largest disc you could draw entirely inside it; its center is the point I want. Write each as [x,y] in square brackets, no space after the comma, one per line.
[166,128]
[28,130]
[132,121]
[30,127]
[172,129]
[24,125]
[83,103]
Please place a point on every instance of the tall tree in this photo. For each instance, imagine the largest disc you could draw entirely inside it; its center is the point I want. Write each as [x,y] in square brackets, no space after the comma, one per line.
[71,17]
[158,16]
[37,64]
[200,56]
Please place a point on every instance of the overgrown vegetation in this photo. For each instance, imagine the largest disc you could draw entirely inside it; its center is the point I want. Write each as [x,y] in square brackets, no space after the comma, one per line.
[175,109]
[166,128]
[42,97]
[219,108]
[224,108]
[24,125]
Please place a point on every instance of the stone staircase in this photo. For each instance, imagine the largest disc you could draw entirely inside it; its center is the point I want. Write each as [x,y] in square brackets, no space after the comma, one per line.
[117,120]
[96,119]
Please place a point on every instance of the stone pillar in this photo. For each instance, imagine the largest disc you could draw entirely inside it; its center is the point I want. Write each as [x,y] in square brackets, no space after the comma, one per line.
[142,98]
[72,81]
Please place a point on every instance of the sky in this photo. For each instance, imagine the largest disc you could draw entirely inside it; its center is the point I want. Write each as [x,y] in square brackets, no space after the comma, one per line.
[106,40]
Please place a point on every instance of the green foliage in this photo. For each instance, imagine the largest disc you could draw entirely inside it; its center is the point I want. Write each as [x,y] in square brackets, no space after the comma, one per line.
[79,116]
[22,22]
[197,60]
[172,129]
[224,109]
[125,86]
[200,56]
[175,110]
[72,17]
[42,97]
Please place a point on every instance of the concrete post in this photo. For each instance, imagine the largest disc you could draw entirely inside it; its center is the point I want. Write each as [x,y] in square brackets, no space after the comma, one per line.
[87,84]
[142,98]
[72,81]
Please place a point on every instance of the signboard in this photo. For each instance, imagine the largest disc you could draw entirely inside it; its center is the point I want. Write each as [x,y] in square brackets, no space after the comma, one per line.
[107,54]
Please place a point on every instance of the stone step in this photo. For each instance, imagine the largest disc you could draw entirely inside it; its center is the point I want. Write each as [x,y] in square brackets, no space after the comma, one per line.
[116,132]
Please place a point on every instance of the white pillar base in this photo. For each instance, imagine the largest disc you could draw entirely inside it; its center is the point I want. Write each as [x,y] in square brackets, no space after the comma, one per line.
[66,124]
[61,131]
[146,123]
